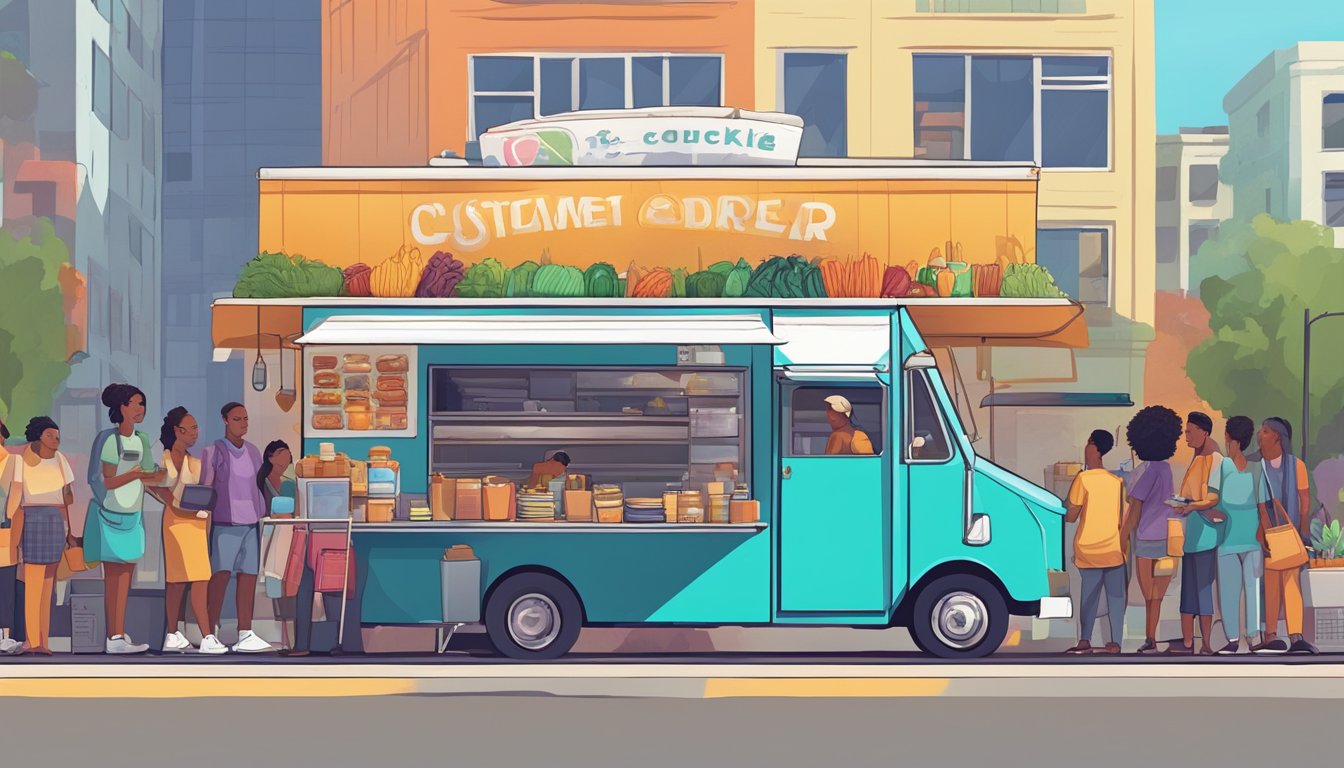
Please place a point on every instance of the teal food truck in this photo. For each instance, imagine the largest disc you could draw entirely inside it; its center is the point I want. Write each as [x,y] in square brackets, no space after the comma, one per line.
[650,397]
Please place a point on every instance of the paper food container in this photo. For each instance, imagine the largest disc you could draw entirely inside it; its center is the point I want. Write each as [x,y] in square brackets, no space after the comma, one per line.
[663,136]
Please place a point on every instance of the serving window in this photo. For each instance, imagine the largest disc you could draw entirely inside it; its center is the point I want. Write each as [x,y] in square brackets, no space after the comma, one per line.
[360,391]
[810,428]
[645,428]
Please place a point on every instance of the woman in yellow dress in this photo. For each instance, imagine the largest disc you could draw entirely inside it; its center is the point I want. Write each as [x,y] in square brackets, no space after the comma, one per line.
[186,549]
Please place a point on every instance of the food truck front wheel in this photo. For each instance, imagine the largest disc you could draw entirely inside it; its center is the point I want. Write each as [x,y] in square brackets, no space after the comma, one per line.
[959,616]
[533,616]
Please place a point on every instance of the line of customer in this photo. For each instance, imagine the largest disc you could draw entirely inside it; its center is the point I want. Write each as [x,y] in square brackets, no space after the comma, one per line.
[205,546]
[1216,526]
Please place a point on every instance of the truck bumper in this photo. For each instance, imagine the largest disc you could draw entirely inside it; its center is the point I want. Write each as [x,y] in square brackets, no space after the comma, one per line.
[1055,608]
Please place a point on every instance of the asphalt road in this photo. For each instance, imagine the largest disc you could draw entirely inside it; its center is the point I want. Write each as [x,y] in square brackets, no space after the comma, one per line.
[521,731]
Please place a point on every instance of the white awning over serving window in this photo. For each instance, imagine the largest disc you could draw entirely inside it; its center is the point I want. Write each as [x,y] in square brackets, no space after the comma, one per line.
[464,330]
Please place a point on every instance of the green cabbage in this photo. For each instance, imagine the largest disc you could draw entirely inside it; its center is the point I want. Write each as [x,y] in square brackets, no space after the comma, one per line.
[735,287]
[555,281]
[705,285]
[722,268]
[280,276]
[601,282]
[486,280]
[786,278]
[1029,281]
[521,279]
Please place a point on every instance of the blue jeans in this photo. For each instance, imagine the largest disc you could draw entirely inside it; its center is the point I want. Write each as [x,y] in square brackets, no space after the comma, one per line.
[1238,573]
[1113,580]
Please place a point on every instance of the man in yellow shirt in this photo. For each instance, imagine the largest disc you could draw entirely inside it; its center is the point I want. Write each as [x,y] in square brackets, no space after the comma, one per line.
[845,439]
[1095,503]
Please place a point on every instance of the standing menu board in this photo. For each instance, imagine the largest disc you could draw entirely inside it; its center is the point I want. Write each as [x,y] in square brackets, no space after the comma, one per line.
[356,391]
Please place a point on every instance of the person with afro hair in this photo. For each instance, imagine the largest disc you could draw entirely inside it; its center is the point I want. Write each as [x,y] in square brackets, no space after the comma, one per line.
[1152,434]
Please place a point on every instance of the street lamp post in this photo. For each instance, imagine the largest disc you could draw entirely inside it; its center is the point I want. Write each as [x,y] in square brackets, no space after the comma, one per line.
[1307,322]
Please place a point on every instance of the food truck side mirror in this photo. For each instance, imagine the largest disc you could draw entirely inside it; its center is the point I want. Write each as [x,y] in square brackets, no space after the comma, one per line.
[979,534]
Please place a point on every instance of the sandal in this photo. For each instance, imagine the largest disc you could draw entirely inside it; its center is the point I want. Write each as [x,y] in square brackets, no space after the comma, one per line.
[1176,649]
[1081,649]
[1111,649]
[1149,646]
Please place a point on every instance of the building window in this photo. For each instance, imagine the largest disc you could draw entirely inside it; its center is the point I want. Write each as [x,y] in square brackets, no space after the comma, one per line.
[1262,122]
[1204,184]
[1332,121]
[1001,6]
[137,240]
[135,42]
[815,89]
[1051,110]
[102,86]
[1168,183]
[1334,199]
[1080,261]
[148,140]
[1200,233]
[177,166]
[1168,245]
[121,125]
[510,88]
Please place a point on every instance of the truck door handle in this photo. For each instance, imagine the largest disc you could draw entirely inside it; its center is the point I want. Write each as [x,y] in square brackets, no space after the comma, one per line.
[787,473]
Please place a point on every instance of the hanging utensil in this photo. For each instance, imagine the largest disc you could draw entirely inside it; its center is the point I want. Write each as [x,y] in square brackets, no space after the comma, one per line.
[286,397]
[259,367]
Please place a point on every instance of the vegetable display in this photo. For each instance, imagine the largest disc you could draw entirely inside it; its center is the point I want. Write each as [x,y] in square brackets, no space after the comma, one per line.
[600,281]
[404,274]
[786,278]
[555,281]
[485,280]
[439,280]
[520,280]
[279,276]
[357,280]
[399,276]
[1029,281]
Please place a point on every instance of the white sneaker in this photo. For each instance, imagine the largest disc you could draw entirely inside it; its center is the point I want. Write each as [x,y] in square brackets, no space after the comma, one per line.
[10,647]
[248,642]
[121,645]
[211,646]
[176,642]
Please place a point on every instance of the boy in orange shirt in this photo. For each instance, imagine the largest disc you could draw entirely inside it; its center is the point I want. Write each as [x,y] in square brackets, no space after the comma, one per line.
[1096,504]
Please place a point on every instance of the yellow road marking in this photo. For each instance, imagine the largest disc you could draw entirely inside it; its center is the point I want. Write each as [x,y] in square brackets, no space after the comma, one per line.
[717,688]
[181,688]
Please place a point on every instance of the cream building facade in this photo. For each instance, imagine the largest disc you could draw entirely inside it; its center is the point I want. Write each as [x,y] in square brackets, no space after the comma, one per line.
[1192,200]
[1286,120]
[1068,84]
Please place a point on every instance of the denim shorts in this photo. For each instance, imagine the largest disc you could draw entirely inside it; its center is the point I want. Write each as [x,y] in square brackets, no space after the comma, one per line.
[235,549]
[1150,550]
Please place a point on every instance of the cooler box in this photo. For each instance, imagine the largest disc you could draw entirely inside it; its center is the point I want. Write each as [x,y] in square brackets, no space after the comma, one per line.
[461,584]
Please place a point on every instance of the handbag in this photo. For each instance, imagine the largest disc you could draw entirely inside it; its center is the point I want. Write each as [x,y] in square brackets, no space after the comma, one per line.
[1286,548]
[72,561]
[1175,537]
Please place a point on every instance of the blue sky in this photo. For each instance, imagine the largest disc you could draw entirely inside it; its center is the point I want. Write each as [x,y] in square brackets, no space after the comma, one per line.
[1205,46]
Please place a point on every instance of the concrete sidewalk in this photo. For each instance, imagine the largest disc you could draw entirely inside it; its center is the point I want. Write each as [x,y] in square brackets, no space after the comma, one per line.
[680,681]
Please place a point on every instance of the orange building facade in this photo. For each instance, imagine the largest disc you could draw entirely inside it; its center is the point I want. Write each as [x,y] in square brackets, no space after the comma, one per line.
[405,80]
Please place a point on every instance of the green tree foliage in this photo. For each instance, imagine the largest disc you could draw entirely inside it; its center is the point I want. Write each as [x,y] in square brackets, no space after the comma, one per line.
[1261,275]
[33,361]
[18,88]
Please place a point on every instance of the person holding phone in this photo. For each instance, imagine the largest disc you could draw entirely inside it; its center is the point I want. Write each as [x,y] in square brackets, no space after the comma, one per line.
[1199,566]
[114,531]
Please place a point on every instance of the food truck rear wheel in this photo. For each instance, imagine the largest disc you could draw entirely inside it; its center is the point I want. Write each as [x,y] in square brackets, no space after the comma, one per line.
[533,616]
[959,617]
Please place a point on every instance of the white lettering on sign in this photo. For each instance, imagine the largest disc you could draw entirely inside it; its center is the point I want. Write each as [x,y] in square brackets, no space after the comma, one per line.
[474,223]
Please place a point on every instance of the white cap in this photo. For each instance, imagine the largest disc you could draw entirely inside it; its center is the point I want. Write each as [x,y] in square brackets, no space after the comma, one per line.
[840,404]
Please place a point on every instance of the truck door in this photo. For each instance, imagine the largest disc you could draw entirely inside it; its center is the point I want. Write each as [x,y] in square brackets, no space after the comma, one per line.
[834,521]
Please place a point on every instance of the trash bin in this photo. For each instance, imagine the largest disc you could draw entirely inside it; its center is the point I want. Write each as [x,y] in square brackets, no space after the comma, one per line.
[461,584]
[88,629]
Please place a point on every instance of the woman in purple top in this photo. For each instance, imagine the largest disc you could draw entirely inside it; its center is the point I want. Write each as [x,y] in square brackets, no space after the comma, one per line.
[1152,433]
